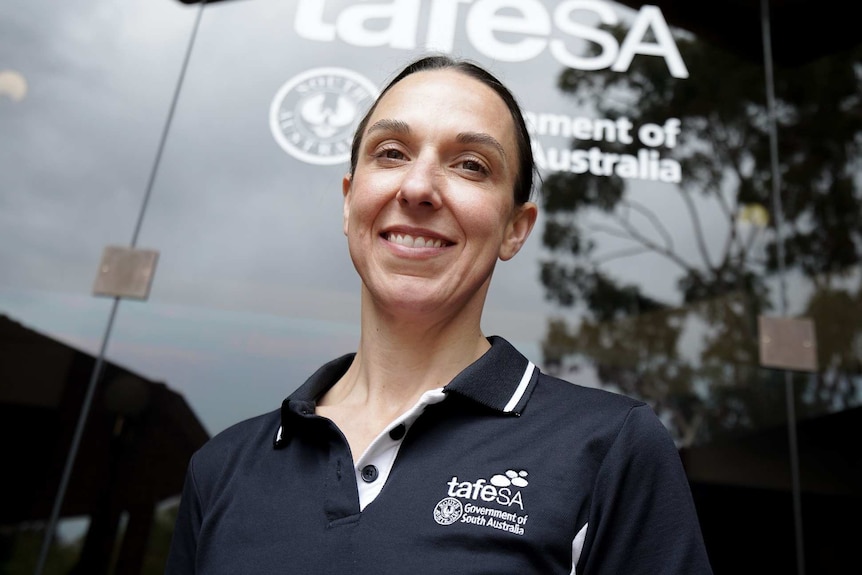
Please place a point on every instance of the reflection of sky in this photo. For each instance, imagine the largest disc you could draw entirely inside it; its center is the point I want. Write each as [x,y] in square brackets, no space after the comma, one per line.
[228,365]
[74,153]
[230,210]
[254,287]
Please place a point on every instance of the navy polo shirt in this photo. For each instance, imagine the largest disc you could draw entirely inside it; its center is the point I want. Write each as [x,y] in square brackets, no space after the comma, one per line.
[505,470]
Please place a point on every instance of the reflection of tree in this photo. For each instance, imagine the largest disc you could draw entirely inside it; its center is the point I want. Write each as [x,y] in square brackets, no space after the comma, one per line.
[19,548]
[634,340]
[838,314]
[160,541]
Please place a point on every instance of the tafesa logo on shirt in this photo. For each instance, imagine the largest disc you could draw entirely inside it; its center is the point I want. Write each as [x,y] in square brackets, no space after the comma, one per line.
[465,502]
[498,489]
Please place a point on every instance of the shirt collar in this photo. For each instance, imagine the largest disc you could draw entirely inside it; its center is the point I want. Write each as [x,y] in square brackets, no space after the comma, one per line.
[502,379]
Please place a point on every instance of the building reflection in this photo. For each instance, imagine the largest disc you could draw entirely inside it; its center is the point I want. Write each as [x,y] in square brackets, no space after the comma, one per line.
[133,454]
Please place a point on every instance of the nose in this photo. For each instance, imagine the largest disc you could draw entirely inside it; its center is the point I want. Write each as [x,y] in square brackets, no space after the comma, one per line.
[421,184]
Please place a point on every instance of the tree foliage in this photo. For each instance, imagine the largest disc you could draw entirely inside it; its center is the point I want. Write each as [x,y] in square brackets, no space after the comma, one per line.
[694,356]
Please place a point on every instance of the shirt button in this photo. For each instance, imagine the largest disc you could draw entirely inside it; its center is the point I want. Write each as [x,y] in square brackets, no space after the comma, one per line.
[369,473]
[397,432]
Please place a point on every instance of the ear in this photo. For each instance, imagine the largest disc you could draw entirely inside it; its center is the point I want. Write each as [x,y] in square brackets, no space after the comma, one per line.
[346,182]
[518,229]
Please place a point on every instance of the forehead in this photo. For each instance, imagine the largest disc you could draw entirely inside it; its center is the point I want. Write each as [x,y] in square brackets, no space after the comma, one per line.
[447,98]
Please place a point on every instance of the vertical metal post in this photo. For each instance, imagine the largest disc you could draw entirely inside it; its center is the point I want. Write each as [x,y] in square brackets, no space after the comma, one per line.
[51,527]
[778,211]
[76,442]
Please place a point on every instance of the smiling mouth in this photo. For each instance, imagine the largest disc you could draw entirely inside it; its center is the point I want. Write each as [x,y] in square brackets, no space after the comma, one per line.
[415,241]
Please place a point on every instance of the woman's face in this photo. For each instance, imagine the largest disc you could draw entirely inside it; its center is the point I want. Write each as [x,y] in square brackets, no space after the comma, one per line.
[430,208]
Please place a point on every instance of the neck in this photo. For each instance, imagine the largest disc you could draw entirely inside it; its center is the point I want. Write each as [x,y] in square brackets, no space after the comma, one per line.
[402,355]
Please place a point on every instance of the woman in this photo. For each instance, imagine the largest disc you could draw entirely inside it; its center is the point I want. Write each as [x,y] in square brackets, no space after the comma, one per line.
[434,448]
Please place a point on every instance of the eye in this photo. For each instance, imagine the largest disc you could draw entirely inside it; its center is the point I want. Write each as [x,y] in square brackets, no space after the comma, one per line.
[473,165]
[390,153]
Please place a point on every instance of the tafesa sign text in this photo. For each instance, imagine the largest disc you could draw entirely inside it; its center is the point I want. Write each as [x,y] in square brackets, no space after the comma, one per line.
[505,30]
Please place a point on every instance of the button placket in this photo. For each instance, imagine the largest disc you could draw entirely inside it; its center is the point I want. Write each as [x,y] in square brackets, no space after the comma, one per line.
[382,452]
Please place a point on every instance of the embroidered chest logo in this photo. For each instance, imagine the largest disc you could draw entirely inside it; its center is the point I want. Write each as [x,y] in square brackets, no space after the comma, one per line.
[479,502]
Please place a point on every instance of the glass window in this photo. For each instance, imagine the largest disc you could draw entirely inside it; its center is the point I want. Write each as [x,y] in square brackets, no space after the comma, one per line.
[690,189]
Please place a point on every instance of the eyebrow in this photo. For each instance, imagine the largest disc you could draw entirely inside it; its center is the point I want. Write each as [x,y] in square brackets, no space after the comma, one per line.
[387,125]
[484,139]
[400,127]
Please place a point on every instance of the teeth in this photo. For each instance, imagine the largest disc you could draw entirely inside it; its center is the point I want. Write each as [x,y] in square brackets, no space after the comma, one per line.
[414,242]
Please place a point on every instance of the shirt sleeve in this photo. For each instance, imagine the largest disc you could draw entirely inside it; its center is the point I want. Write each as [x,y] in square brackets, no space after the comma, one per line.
[181,558]
[642,518]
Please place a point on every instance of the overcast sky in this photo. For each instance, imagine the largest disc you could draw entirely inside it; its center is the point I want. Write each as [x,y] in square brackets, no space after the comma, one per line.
[254,288]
